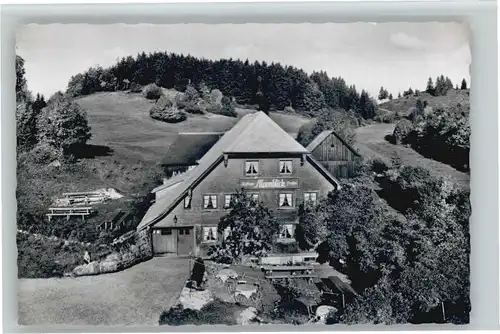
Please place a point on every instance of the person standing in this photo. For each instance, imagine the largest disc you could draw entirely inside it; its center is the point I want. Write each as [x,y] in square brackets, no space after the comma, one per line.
[86,257]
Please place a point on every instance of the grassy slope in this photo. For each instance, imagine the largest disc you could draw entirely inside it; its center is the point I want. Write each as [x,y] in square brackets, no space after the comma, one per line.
[370,140]
[121,121]
[135,296]
[403,105]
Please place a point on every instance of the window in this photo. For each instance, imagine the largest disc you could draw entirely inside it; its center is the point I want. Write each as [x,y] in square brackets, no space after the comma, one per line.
[210,233]
[252,167]
[285,200]
[187,202]
[286,167]
[156,231]
[210,202]
[183,231]
[228,201]
[286,231]
[310,197]
[166,232]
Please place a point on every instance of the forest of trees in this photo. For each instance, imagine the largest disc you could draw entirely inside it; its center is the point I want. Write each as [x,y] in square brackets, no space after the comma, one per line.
[270,86]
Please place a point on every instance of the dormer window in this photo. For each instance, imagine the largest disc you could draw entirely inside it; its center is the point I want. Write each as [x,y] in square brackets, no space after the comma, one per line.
[285,167]
[251,167]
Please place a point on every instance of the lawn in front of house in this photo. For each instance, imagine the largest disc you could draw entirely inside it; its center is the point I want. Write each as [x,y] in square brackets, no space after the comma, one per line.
[135,296]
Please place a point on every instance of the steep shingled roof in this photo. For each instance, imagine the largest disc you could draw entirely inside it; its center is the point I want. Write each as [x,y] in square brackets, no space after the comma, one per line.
[263,135]
[256,130]
[323,135]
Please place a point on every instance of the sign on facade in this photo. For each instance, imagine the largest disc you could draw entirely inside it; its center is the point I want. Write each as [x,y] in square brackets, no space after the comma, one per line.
[269,183]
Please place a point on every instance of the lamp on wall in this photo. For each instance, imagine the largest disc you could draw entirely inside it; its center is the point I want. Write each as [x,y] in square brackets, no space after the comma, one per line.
[175,219]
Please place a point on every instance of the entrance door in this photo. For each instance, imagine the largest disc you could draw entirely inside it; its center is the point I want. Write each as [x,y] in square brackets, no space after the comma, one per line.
[185,240]
[164,241]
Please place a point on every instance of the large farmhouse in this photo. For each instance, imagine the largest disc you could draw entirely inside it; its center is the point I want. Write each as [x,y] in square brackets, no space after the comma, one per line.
[256,155]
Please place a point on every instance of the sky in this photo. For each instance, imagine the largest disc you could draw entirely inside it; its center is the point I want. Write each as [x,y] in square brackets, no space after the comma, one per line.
[393,55]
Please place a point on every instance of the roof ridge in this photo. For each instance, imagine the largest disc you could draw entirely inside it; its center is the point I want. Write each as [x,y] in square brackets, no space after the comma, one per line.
[245,130]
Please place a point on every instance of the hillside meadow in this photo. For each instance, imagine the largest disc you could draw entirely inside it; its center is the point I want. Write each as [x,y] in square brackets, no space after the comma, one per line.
[404,104]
[121,121]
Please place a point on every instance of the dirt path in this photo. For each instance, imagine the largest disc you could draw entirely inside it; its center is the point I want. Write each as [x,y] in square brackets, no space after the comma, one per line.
[136,296]
[370,141]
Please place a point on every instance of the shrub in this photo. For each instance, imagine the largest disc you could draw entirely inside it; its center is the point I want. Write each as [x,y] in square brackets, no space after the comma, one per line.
[194,108]
[227,108]
[287,248]
[169,115]
[216,312]
[215,97]
[402,130]
[63,124]
[416,114]
[164,110]
[45,154]
[152,92]
[135,87]
[191,94]
[378,166]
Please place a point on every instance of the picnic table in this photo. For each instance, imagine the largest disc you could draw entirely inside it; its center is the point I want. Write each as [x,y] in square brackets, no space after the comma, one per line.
[288,271]
[226,274]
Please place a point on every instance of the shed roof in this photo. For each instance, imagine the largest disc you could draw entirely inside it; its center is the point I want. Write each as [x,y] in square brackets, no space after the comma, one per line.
[189,147]
[323,135]
[254,132]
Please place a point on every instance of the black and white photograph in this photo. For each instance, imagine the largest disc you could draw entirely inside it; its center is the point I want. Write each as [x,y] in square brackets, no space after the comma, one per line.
[243,174]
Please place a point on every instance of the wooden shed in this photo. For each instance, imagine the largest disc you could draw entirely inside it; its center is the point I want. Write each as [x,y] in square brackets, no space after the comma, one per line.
[334,153]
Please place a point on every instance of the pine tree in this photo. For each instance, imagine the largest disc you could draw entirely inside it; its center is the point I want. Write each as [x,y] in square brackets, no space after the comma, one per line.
[464,84]
[39,104]
[26,127]
[390,96]
[366,105]
[430,87]
[313,99]
[441,86]
[382,95]
[449,84]
[420,106]
[22,93]
[399,95]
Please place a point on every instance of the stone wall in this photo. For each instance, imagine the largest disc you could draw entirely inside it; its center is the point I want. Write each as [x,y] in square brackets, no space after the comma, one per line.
[129,252]
[144,243]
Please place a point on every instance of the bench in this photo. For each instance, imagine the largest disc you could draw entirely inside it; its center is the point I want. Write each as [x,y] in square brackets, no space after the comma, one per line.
[68,212]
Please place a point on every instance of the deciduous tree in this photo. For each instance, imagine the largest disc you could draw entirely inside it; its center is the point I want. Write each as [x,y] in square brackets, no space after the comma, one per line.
[252,230]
